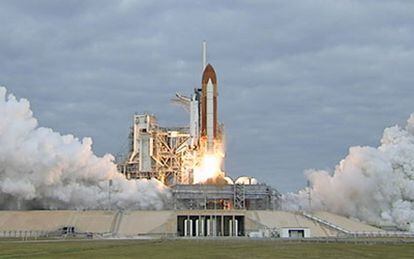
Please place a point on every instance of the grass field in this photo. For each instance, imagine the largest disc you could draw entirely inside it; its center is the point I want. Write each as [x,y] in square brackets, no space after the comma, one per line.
[201,249]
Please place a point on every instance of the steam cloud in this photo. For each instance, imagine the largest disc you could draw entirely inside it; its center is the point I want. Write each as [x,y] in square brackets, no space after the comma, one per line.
[41,169]
[375,185]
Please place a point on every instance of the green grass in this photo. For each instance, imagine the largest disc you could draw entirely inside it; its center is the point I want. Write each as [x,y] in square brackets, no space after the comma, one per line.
[201,249]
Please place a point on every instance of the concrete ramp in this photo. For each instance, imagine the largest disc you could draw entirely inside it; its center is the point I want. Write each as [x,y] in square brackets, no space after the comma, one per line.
[147,222]
[285,219]
[344,222]
[94,221]
[83,221]
[34,220]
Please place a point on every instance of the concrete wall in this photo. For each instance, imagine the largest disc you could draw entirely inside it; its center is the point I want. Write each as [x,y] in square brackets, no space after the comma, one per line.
[147,222]
[83,221]
[284,219]
[155,223]
[346,223]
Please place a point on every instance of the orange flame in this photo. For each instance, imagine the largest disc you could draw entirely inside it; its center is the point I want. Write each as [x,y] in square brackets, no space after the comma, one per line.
[208,168]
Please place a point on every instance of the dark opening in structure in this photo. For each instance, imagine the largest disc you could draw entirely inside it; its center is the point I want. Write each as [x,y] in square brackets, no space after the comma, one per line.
[210,225]
[296,233]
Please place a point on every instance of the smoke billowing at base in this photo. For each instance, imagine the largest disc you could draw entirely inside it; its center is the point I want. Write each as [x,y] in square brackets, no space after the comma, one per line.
[42,169]
[375,185]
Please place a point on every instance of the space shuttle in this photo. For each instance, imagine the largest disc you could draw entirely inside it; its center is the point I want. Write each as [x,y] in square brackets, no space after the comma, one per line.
[205,130]
[208,105]
[209,133]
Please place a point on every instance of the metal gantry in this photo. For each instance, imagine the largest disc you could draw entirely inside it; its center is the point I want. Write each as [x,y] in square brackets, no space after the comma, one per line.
[239,196]
[158,152]
[225,197]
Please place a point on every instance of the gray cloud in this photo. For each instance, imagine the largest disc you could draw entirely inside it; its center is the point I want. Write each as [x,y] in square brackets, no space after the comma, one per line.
[300,81]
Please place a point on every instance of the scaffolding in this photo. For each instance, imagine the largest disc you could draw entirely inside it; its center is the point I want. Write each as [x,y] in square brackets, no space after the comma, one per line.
[225,197]
[158,152]
[239,196]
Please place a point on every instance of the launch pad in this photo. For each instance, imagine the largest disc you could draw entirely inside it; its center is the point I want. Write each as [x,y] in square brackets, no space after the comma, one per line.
[204,201]
[190,159]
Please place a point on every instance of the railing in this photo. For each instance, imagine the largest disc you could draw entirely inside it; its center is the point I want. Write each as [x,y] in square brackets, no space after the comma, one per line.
[359,233]
[41,234]
[324,222]
[382,234]
[24,234]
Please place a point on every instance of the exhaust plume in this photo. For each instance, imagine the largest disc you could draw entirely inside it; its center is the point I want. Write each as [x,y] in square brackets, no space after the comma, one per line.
[42,169]
[375,185]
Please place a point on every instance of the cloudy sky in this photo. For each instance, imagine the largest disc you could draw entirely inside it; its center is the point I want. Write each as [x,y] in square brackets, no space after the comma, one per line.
[300,81]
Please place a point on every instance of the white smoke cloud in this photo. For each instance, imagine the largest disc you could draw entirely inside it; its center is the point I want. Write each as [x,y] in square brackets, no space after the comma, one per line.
[375,185]
[40,168]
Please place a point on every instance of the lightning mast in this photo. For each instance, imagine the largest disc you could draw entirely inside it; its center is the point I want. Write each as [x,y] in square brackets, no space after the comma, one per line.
[204,55]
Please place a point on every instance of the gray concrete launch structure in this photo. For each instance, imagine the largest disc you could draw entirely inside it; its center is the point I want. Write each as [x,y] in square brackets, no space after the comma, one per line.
[225,197]
[183,223]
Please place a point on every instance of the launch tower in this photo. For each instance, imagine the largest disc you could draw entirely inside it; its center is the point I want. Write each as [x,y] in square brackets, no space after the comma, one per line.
[173,155]
[189,159]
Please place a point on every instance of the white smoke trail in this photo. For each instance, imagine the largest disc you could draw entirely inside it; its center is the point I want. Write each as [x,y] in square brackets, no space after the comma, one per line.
[40,168]
[375,185]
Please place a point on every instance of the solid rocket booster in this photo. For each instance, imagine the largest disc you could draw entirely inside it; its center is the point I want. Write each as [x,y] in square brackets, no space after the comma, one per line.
[209,94]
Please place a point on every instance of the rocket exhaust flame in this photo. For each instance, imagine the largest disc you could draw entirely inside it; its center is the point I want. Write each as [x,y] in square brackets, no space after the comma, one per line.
[209,168]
